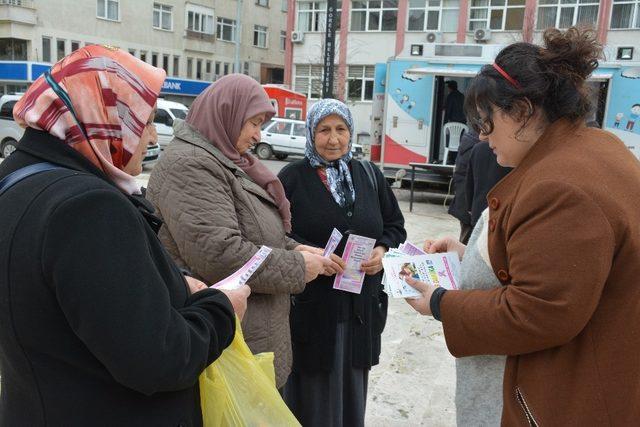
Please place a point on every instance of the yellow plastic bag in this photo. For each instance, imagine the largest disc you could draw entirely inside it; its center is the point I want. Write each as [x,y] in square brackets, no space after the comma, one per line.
[239,389]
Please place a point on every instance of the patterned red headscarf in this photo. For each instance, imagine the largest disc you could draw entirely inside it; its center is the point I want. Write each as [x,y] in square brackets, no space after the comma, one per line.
[113,95]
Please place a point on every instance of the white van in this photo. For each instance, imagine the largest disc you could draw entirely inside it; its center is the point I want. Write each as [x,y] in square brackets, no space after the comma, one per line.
[167,112]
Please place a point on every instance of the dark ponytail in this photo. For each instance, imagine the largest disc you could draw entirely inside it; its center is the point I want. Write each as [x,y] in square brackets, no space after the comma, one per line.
[551,78]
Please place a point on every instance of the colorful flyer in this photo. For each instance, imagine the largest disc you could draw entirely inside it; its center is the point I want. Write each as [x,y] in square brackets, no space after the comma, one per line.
[332,244]
[441,269]
[241,276]
[356,251]
[411,249]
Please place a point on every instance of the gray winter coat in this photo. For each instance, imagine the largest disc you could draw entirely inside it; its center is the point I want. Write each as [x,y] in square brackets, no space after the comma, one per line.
[215,219]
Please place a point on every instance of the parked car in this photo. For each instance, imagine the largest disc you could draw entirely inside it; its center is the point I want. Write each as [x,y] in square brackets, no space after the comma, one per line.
[167,112]
[282,137]
[11,132]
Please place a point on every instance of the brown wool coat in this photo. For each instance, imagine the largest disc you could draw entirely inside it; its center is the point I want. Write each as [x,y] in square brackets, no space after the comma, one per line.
[215,219]
[564,241]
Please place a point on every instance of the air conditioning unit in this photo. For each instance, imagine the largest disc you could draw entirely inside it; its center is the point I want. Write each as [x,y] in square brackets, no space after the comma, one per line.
[434,37]
[482,34]
[297,36]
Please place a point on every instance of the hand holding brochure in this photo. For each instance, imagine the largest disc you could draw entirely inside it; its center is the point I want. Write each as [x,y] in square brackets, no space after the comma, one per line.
[332,244]
[241,276]
[441,269]
[357,250]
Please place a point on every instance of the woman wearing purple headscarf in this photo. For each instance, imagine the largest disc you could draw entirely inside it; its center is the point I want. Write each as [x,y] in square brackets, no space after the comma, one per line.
[220,204]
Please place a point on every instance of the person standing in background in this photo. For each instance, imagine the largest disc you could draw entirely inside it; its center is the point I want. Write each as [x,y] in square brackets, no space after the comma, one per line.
[458,207]
[454,104]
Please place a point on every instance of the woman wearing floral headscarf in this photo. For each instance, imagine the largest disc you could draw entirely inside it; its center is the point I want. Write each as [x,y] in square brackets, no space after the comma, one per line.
[220,204]
[97,324]
[336,334]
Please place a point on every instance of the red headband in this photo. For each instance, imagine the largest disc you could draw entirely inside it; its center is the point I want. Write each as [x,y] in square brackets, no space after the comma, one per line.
[506,75]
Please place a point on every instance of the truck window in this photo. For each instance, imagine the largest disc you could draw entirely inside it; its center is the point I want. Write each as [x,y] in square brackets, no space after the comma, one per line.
[6,111]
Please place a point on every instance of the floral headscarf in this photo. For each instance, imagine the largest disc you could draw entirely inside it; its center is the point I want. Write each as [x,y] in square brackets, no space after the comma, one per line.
[338,175]
[112,94]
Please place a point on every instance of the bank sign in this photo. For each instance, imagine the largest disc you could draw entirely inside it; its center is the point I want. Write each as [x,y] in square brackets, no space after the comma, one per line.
[183,87]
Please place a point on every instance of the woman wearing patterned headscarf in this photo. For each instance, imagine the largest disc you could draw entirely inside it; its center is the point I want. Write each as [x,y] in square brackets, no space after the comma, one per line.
[336,334]
[97,323]
[220,204]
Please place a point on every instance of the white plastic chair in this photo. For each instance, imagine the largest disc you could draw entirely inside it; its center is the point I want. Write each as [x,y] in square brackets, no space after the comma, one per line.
[454,130]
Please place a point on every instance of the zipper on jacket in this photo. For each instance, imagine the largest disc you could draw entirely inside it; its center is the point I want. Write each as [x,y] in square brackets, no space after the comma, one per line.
[527,412]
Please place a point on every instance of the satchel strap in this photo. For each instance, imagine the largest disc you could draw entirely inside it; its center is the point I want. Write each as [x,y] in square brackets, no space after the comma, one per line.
[25,172]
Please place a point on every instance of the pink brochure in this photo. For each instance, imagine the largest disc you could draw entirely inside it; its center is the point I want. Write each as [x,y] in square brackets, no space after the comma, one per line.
[357,250]
[241,276]
[332,244]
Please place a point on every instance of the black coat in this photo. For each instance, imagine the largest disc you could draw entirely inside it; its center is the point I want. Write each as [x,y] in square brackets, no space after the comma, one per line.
[96,323]
[454,108]
[458,207]
[483,174]
[315,312]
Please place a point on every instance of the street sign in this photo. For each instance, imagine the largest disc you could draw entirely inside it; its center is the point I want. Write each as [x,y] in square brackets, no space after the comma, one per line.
[329,49]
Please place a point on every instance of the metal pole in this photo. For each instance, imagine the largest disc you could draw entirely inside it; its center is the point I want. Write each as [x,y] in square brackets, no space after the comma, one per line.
[329,49]
[238,34]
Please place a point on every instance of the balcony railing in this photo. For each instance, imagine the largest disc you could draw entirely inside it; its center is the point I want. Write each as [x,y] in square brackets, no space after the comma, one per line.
[19,11]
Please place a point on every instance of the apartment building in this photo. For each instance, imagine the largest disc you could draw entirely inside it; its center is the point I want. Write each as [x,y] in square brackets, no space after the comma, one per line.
[371,31]
[194,41]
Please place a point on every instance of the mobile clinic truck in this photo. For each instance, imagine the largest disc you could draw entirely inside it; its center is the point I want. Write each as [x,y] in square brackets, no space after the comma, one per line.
[410,91]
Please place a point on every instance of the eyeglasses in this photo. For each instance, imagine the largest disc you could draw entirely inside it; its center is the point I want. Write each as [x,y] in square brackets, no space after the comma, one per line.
[481,125]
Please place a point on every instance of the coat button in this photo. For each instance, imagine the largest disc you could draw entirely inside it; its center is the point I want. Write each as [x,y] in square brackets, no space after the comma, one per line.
[349,214]
[492,224]
[503,275]
[494,203]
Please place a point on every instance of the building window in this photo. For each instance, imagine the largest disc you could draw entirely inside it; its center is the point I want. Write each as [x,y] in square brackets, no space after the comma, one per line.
[308,80]
[283,40]
[154,59]
[373,15]
[189,68]
[433,15]
[226,68]
[566,13]
[199,69]
[625,14]
[143,56]
[207,68]
[75,46]
[176,65]
[497,14]
[226,29]
[360,82]
[246,68]
[200,19]
[165,63]
[264,3]
[132,52]
[162,17]
[285,6]
[259,36]
[46,49]
[312,15]
[13,49]
[108,9]
[217,69]
[61,47]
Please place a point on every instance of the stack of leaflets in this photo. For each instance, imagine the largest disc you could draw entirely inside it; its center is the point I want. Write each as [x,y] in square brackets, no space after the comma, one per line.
[408,260]
[241,276]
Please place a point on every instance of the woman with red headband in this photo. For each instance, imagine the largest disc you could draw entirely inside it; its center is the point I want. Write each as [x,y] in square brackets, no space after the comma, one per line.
[562,243]
[98,326]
